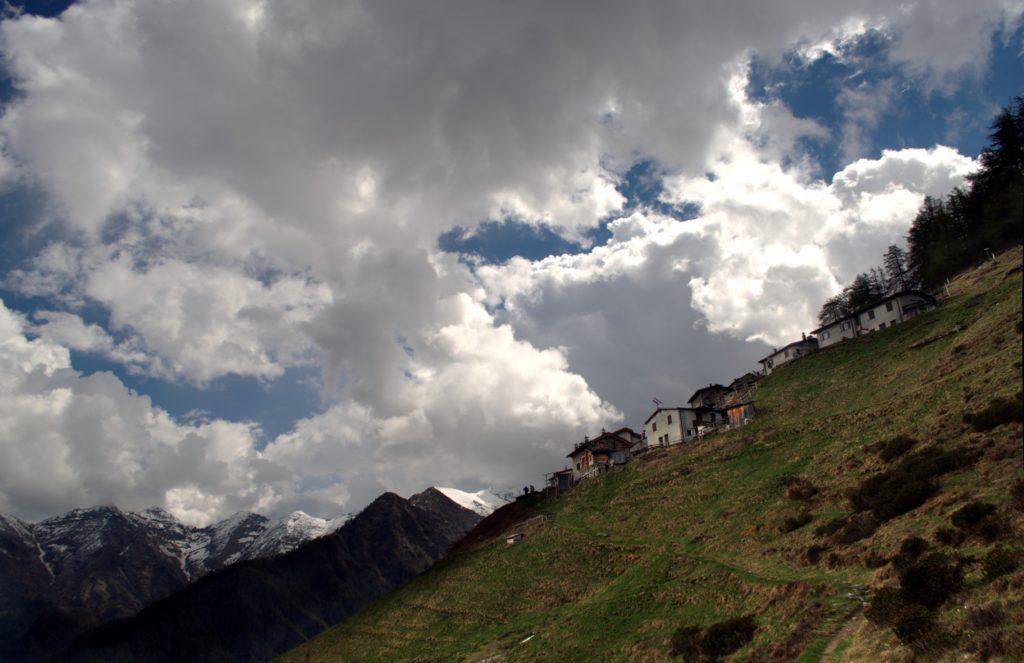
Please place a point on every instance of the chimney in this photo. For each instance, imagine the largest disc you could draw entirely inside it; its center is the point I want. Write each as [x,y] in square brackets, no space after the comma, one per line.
[804,334]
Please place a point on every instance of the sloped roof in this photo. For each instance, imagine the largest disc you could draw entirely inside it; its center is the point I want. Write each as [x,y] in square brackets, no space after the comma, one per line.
[710,387]
[600,444]
[868,307]
[802,341]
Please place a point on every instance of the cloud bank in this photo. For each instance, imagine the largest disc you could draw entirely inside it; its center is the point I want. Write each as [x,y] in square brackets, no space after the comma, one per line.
[246,188]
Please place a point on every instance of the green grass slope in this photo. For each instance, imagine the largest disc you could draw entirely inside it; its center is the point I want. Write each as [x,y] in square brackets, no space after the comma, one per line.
[693,535]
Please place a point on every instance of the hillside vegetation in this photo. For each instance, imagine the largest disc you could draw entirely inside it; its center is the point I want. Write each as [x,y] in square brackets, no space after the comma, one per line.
[794,522]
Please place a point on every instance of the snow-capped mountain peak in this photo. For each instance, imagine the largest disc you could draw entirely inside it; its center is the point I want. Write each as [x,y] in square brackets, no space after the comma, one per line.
[482,502]
[291,531]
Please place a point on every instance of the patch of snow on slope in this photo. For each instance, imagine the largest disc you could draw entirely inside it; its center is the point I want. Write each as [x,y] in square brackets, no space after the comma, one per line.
[292,531]
[483,501]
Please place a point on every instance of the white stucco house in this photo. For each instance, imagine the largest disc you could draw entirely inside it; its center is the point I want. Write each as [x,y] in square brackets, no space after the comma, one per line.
[880,315]
[788,353]
[672,425]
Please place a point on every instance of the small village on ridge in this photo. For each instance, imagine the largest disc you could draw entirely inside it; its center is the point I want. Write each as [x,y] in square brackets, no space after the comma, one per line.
[717,408]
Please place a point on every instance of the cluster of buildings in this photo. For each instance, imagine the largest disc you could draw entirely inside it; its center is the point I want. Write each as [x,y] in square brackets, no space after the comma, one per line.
[717,407]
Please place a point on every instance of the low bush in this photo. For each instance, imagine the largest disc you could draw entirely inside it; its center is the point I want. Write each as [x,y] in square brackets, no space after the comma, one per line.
[909,484]
[1000,561]
[793,523]
[831,527]
[971,515]
[814,553]
[986,616]
[800,489]
[948,536]
[874,560]
[910,549]
[686,643]
[992,528]
[936,461]
[857,527]
[931,580]
[891,494]
[979,518]
[714,643]
[890,607]
[892,449]
[998,412]
[724,638]
[915,624]
[885,607]
[1001,644]
[1017,495]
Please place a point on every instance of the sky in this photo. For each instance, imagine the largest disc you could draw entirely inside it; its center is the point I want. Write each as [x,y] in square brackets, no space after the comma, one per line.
[288,255]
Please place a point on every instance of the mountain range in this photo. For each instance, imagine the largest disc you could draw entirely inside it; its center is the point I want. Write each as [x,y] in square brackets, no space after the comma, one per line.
[65,575]
[255,609]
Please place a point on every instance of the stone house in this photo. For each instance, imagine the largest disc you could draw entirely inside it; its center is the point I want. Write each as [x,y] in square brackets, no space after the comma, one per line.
[605,451]
[711,396]
[788,353]
[880,315]
[744,382]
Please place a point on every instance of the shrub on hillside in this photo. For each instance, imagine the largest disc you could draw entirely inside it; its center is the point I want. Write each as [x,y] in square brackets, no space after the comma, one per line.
[875,560]
[976,518]
[936,461]
[995,643]
[799,488]
[1017,495]
[986,616]
[724,638]
[931,580]
[831,527]
[793,523]
[948,536]
[1000,561]
[885,607]
[890,450]
[998,412]
[814,553]
[716,642]
[910,550]
[686,643]
[914,625]
[858,526]
[909,484]
[992,528]
[890,607]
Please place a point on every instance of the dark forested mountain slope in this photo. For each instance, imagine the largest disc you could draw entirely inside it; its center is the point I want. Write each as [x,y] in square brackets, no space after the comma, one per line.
[255,609]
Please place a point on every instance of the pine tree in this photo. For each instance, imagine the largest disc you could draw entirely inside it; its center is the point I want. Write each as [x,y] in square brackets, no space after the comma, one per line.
[895,263]
[861,292]
[834,308]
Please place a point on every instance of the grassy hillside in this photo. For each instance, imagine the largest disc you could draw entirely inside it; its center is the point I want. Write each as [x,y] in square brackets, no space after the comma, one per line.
[693,535]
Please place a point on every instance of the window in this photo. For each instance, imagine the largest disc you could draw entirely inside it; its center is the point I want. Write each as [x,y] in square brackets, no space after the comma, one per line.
[786,354]
[670,420]
[888,306]
[871,314]
[881,326]
[824,335]
[654,427]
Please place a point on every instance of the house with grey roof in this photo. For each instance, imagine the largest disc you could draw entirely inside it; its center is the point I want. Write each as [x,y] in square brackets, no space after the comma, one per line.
[880,315]
[673,425]
[788,353]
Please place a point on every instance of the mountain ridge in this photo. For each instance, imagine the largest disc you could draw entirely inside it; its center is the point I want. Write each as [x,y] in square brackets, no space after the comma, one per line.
[257,608]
